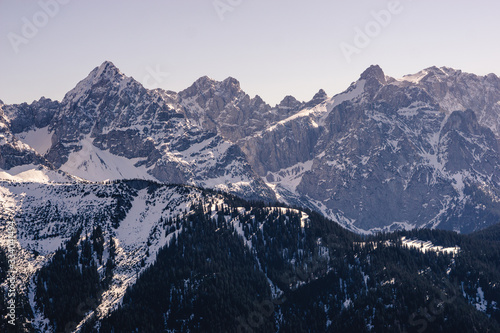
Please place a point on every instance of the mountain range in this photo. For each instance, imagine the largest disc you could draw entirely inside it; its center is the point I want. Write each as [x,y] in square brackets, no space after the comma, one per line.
[140,256]
[386,154]
[206,210]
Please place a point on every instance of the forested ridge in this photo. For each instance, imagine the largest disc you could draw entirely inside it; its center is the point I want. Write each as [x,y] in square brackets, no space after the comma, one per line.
[239,266]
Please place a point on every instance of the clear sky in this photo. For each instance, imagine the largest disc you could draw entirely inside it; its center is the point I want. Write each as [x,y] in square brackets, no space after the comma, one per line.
[273,47]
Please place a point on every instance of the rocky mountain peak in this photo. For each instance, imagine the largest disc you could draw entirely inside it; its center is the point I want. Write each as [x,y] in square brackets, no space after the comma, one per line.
[257,101]
[288,102]
[104,77]
[107,69]
[432,75]
[230,87]
[289,105]
[231,82]
[492,77]
[318,98]
[434,72]
[374,72]
[209,88]
[374,79]
[450,71]
[204,83]
[321,94]
[106,72]
[199,86]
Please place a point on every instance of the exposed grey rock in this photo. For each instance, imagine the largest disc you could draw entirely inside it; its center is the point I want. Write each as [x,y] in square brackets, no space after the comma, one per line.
[289,103]
[393,156]
[318,98]
[109,114]
[23,117]
[385,154]
[459,91]
[13,152]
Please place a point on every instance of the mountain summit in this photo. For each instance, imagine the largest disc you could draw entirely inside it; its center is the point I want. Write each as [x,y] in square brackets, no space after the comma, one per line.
[374,72]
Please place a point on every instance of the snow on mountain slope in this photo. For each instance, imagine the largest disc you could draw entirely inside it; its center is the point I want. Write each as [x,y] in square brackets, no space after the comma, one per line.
[414,78]
[35,174]
[136,215]
[47,215]
[141,234]
[38,139]
[94,164]
[110,127]
[17,157]
[318,113]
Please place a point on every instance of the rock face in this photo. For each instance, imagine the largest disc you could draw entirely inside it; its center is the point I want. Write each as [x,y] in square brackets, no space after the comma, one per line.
[385,154]
[223,107]
[456,90]
[13,152]
[110,127]
[389,154]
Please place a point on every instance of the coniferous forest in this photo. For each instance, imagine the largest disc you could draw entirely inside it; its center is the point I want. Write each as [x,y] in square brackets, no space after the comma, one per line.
[238,266]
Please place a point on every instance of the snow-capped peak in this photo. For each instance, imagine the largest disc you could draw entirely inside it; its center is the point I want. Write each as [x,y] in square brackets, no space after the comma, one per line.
[414,78]
[440,73]
[107,70]
[106,74]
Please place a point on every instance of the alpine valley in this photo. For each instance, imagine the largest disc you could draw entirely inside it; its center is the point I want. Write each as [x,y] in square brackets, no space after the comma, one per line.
[206,210]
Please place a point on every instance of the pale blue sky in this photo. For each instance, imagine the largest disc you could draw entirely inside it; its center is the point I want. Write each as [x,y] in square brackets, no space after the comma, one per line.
[273,47]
